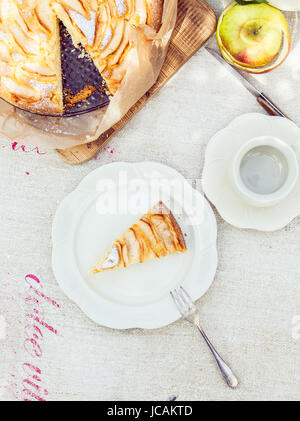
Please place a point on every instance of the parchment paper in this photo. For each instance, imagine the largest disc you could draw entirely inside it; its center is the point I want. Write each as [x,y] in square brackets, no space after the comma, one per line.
[145,61]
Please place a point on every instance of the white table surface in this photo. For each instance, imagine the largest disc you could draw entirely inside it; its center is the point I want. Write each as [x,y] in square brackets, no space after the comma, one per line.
[250,312]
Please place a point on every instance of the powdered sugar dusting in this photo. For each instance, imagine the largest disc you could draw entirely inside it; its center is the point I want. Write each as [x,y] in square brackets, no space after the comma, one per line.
[44,88]
[3,36]
[112,260]
[87,26]
[107,38]
[121,7]
[18,57]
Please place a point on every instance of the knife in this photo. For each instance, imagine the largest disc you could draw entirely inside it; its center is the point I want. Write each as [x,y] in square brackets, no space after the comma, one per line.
[262,99]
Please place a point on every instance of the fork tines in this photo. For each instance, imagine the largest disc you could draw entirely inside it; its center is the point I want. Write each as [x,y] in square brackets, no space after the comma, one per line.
[182,300]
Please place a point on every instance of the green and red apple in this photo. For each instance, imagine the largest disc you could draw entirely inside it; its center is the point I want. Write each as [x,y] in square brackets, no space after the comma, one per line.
[253,37]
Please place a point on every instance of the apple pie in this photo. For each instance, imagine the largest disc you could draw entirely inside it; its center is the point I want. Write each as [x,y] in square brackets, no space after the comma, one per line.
[30,55]
[155,235]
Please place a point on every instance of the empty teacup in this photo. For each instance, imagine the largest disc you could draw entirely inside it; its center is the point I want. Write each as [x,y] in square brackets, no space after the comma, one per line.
[264,171]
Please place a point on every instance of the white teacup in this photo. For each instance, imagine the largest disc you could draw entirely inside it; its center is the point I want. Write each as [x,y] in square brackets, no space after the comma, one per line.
[264,171]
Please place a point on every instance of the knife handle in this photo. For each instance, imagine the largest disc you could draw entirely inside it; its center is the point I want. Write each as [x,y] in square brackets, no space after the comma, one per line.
[270,107]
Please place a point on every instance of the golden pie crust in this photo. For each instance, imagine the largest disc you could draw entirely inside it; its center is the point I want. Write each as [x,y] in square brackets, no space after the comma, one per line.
[156,234]
[30,66]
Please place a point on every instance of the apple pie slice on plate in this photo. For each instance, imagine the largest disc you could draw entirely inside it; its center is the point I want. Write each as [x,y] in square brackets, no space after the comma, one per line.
[90,218]
[155,235]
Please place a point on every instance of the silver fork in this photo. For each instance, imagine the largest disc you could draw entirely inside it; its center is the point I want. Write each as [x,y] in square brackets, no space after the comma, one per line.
[190,313]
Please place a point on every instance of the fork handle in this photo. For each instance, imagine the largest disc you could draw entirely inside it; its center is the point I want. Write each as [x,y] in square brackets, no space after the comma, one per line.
[226,371]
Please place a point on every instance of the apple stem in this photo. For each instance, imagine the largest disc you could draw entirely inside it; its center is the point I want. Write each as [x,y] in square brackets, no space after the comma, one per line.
[257,30]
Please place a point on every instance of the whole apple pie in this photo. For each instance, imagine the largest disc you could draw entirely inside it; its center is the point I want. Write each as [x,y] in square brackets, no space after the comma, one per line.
[30,50]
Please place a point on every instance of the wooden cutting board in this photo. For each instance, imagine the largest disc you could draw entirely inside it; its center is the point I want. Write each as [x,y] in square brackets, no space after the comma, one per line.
[196,22]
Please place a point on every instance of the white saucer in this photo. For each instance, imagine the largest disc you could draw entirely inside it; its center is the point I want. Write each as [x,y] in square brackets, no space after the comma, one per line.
[216,183]
[137,296]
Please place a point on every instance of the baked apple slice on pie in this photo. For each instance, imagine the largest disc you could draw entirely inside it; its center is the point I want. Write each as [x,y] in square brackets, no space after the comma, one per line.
[155,235]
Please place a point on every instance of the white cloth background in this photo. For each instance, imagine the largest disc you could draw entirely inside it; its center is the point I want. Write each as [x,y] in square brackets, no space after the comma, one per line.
[249,312]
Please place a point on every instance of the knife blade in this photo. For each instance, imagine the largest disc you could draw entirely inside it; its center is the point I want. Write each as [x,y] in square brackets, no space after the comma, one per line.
[261,98]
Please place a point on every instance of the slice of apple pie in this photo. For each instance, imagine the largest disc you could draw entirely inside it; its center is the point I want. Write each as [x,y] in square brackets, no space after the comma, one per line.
[155,235]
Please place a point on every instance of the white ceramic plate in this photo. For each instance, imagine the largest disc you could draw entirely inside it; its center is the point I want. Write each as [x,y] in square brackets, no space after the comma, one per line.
[216,179]
[84,228]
